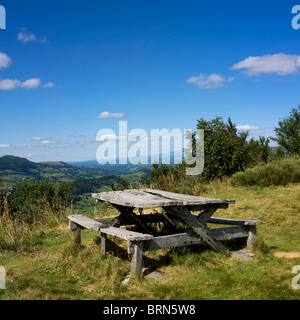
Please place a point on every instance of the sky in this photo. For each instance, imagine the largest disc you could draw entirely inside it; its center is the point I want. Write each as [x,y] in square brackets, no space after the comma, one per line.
[71,68]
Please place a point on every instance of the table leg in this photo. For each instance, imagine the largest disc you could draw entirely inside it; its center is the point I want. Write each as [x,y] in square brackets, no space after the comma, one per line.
[103,243]
[128,212]
[251,236]
[137,258]
[198,228]
[76,232]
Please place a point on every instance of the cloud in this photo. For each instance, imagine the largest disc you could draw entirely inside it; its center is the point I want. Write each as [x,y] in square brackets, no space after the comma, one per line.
[9,84]
[48,142]
[111,115]
[280,63]
[31,83]
[48,85]
[25,36]
[209,81]
[5,61]
[247,127]
[4,145]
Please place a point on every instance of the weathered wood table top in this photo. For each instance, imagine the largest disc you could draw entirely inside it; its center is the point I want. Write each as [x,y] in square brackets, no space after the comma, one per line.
[150,198]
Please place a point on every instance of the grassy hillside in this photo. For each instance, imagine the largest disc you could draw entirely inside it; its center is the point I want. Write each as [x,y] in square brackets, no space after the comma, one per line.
[44,263]
[53,268]
[14,169]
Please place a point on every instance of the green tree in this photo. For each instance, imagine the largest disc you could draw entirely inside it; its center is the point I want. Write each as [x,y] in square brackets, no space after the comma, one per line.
[227,151]
[288,132]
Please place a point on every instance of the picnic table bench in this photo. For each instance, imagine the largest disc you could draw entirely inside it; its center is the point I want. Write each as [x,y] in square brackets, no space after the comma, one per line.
[172,207]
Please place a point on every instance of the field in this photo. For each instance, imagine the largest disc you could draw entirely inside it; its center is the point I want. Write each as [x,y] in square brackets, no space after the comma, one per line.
[54,268]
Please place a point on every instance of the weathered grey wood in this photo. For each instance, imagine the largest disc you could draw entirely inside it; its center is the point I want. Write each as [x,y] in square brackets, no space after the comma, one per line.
[143,200]
[126,234]
[137,259]
[79,221]
[86,222]
[237,222]
[252,235]
[204,216]
[148,198]
[122,220]
[198,228]
[188,198]
[76,232]
[125,211]
[189,238]
[103,243]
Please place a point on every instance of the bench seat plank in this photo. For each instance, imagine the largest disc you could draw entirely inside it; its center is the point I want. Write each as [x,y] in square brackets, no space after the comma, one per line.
[88,223]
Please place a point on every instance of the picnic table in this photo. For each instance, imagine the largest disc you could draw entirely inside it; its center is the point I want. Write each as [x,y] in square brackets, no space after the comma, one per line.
[193,211]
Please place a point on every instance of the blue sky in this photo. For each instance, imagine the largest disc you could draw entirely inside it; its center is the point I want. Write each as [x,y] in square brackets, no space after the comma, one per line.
[155,64]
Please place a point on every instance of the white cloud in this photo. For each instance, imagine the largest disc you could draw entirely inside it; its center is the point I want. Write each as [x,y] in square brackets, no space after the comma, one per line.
[280,63]
[5,61]
[247,127]
[111,115]
[31,83]
[25,36]
[9,84]
[4,145]
[211,81]
[47,142]
[48,85]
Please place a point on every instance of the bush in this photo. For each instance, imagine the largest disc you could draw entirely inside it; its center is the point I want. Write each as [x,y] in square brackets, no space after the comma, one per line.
[278,172]
[30,200]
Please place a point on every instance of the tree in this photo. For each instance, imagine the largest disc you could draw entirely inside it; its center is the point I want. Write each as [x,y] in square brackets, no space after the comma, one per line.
[288,132]
[227,151]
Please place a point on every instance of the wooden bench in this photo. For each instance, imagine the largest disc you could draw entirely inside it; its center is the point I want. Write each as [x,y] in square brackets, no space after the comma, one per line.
[135,240]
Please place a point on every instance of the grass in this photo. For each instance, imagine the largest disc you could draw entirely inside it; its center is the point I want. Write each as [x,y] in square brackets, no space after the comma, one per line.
[54,268]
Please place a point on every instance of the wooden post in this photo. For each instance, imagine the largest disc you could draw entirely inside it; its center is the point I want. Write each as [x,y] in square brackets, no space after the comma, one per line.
[103,243]
[251,235]
[137,259]
[75,228]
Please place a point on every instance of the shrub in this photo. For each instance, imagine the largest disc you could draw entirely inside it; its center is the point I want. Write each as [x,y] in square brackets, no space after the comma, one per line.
[30,200]
[278,172]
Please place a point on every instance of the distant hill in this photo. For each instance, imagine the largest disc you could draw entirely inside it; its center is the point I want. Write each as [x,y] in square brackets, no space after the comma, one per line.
[15,169]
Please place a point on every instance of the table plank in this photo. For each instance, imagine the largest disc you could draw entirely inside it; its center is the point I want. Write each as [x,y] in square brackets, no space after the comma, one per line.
[187,199]
[150,198]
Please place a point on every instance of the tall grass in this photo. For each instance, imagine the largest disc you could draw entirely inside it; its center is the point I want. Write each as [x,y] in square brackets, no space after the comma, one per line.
[277,172]
[23,226]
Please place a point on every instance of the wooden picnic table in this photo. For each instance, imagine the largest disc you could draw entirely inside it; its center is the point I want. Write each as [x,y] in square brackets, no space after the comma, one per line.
[172,207]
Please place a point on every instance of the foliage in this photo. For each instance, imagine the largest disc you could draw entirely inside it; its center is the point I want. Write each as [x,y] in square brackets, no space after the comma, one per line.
[29,200]
[227,151]
[288,132]
[277,172]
